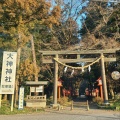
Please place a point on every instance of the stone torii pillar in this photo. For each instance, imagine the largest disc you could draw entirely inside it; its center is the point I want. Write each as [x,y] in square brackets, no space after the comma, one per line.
[55,81]
[105,93]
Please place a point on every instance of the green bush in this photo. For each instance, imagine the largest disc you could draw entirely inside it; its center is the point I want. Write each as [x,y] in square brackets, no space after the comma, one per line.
[98,100]
[63,100]
[117,96]
[117,103]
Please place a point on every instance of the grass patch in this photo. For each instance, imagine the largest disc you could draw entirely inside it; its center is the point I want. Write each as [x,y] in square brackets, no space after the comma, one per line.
[6,109]
[114,105]
[117,103]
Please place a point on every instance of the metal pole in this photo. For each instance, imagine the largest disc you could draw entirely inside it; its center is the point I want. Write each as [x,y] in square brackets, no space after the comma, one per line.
[105,93]
[12,100]
[0,99]
[55,82]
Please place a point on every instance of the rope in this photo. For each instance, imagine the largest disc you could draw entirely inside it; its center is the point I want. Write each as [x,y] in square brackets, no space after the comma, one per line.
[77,67]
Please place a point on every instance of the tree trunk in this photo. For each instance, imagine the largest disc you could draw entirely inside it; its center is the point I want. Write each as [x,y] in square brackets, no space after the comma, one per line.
[34,58]
[112,93]
[18,62]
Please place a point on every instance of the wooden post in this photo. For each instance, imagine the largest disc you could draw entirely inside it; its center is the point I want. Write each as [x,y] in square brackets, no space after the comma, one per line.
[72,105]
[87,105]
[58,92]
[58,107]
[55,81]
[101,91]
[64,93]
[12,101]
[34,57]
[105,93]
[0,99]
[18,62]
[43,91]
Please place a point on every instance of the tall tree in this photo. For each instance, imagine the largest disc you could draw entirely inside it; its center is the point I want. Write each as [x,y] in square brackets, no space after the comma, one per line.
[101,25]
[101,30]
[65,36]
[18,17]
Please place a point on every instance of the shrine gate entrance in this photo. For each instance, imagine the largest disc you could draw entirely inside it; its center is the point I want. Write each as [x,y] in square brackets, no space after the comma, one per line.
[90,56]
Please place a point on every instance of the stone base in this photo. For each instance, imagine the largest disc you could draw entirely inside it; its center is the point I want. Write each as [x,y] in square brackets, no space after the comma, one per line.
[35,104]
[55,105]
[106,103]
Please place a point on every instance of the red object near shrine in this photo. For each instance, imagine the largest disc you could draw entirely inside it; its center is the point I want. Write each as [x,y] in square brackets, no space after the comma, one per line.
[59,82]
[94,92]
[66,92]
[87,93]
[59,85]
[99,80]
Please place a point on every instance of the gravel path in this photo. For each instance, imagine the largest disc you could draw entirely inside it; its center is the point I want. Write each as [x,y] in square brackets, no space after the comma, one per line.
[66,114]
[79,112]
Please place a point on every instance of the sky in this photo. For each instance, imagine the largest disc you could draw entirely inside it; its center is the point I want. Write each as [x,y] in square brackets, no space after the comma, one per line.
[74,13]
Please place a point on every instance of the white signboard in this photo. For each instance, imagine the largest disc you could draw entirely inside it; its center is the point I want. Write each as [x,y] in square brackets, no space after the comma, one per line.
[8,73]
[32,89]
[39,89]
[21,98]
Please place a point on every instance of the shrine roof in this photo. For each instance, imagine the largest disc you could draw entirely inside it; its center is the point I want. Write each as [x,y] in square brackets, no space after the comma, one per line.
[36,83]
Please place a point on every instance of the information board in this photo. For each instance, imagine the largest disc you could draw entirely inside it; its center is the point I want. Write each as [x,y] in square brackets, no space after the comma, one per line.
[8,73]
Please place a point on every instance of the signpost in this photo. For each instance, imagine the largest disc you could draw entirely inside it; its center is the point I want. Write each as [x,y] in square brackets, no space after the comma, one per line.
[21,98]
[36,89]
[39,89]
[8,75]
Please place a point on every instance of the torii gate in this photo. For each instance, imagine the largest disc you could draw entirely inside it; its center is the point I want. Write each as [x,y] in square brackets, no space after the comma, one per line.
[56,60]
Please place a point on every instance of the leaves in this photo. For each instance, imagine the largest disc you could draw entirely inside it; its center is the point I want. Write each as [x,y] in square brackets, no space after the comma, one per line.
[18,20]
[27,70]
[102,26]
